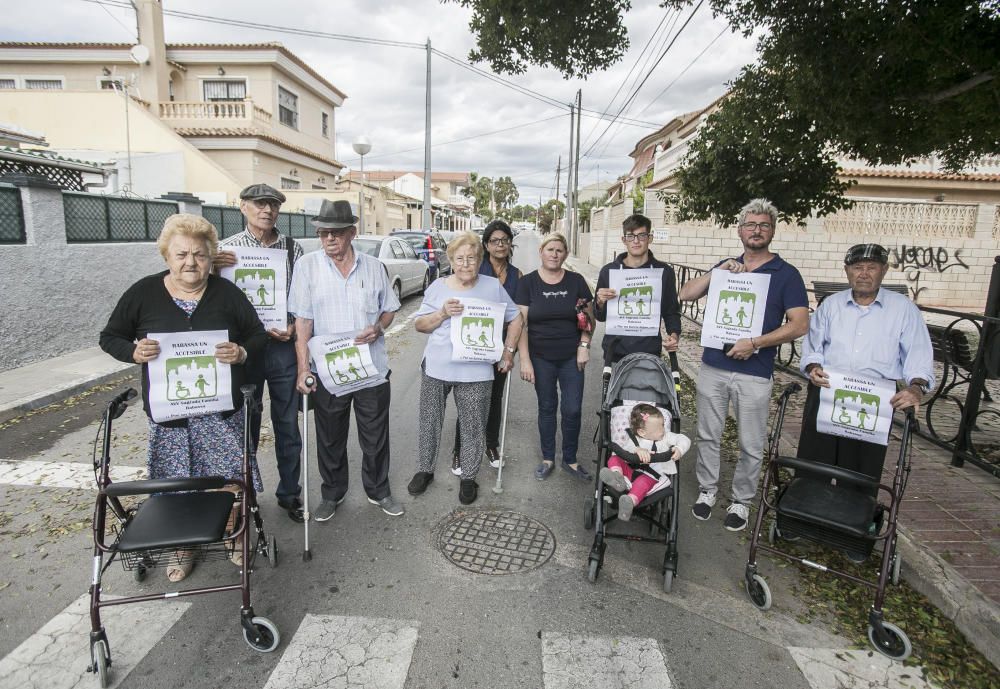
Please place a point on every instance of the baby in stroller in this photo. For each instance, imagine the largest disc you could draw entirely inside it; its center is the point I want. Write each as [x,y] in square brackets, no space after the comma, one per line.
[645,461]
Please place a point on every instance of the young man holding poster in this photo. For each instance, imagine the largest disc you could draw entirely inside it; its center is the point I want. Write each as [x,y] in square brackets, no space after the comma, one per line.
[260,204]
[340,291]
[637,236]
[741,370]
[868,333]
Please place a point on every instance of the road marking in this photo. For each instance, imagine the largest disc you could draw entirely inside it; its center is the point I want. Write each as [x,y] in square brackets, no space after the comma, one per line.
[57,655]
[23,472]
[400,326]
[336,651]
[829,668]
[582,662]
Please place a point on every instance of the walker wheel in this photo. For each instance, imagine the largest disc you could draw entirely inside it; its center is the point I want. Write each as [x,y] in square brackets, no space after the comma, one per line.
[760,594]
[267,638]
[139,573]
[102,661]
[896,645]
[592,569]
[773,534]
[272,551]
[897,563]
[668,580]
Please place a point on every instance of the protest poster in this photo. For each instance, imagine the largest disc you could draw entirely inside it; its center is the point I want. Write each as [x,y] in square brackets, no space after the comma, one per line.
[261,274]
[186,379]
[636,309]
[856,407]
[343,366]
[477,332]
[735,308]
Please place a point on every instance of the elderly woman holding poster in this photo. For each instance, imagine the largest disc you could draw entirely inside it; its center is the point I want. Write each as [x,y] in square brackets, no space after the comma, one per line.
[187,298]
[459,358]
[556,305]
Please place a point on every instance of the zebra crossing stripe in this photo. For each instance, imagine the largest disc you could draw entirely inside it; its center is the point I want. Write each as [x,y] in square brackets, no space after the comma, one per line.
[57,655]
[40,474]
[594,662]
[335,651]
[830,668]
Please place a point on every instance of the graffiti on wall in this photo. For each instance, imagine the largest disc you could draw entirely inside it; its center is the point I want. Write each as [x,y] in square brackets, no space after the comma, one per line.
[917,260]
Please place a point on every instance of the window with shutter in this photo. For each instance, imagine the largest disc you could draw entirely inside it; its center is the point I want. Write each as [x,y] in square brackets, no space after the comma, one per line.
[8,84]
[43,84]
[288,108]
[224,90]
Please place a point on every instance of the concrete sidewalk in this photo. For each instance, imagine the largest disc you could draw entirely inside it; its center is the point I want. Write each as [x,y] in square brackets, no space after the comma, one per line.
[949,521]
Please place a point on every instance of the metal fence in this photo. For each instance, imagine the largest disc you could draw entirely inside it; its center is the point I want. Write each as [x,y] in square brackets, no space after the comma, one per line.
[962,415]
[96,218]
[11,216]
[228,220]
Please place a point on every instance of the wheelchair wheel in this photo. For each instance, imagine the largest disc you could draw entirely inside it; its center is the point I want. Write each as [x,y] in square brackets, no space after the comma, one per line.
[668,580]
[272,551]
[588,514]
[102,662]
[760,594]
[897,644]
[268,636]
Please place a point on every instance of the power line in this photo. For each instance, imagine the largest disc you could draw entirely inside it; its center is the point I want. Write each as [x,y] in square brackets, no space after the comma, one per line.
[493,77]
[683,71]
[131,35]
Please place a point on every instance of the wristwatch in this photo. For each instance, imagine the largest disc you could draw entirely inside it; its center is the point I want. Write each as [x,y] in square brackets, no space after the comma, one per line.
[585,345]
[509,349]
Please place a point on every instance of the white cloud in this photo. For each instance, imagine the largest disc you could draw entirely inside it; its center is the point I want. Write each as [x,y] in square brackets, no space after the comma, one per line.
[385,85]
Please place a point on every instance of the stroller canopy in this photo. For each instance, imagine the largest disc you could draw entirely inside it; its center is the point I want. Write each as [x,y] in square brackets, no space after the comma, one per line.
[642,377]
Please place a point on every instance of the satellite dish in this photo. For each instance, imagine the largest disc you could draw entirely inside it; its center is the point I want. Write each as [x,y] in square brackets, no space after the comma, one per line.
[139,54]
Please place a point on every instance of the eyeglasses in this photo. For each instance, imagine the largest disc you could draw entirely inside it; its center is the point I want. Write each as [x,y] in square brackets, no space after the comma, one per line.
[466,261]
[765,226]
[640,237]
[323,234]
[503,241]
[261,204]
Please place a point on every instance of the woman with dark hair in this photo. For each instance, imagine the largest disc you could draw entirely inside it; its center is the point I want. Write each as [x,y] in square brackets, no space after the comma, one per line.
[498,245]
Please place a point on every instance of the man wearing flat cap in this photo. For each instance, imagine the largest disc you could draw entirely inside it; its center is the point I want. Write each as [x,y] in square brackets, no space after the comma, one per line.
[871,332]
[340,291]
[260,204]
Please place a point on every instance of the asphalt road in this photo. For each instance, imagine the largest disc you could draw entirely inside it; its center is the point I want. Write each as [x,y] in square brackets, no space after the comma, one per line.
[379,605]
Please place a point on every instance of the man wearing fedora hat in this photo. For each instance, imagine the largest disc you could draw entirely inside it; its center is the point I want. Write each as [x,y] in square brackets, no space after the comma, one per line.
[260,204]
[871,332]
[334,291]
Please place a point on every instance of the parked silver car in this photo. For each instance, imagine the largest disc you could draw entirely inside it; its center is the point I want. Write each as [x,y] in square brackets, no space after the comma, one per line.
[408,273]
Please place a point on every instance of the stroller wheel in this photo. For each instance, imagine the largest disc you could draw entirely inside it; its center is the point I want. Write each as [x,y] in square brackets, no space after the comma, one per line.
[272,551]
[896,644]
[668,580]
[102,662]
[760,594]
[267,638]
[592,570]
[588,513]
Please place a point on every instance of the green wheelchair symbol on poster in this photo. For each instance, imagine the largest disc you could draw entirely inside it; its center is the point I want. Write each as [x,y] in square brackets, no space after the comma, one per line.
[855,409]
[345,366]
[191,377]
[478,332]
[635,301]
[736,308]
[257,284]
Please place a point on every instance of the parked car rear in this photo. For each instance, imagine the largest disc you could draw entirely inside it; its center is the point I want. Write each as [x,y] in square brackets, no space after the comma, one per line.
[429,246]
[408,273]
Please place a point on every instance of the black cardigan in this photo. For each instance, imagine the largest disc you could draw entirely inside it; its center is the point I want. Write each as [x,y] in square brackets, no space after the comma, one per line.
[148,307]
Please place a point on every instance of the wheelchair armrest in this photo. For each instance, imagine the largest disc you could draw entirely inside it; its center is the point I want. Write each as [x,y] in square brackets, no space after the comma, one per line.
[827,471]
[164,485]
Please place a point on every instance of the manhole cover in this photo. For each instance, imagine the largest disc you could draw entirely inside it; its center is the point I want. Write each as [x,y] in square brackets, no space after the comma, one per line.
[496,542]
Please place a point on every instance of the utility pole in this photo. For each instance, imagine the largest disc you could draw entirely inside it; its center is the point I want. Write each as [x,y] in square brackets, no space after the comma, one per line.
[538,212]
[425,215]
[558,175]
[569,175]
[576,174]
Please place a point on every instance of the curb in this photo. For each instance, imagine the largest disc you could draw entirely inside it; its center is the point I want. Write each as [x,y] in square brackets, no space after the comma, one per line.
[28,404]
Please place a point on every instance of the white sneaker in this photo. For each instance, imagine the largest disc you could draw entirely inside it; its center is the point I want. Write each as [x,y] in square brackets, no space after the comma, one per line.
[736,517]
[703,506]
[456,465]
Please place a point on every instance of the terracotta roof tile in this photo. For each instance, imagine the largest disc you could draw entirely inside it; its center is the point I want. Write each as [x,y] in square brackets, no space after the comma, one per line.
[232,132]
[921,174]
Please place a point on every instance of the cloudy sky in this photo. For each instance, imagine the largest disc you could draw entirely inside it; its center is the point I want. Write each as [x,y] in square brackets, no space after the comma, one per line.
[385,85]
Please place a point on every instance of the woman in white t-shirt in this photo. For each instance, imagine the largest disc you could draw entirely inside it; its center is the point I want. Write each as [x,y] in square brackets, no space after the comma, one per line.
[469,382]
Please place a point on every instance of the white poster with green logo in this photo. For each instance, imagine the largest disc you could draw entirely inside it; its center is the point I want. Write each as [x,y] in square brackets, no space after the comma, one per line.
[636,309]
[477,332]
[261,274]
[186,379]
[856,407]
[343,366]
[735,308]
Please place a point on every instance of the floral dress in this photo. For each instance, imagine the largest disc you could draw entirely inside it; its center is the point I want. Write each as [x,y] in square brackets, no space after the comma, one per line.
[210,445]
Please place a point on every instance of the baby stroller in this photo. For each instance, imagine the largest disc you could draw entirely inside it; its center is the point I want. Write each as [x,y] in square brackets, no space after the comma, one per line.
[636,378]
[181,514]
[815,507]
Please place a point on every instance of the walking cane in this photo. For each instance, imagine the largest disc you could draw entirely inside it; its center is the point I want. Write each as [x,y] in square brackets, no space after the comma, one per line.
[498,488]
[306,554]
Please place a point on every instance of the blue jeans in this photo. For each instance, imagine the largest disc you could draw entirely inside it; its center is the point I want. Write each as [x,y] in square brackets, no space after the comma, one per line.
[569,379]
[279,370]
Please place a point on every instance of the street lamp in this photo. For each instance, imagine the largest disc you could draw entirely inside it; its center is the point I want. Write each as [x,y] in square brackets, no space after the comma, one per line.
[361,146]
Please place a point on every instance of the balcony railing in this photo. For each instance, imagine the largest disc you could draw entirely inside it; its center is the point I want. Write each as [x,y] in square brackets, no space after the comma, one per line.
[242,112]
